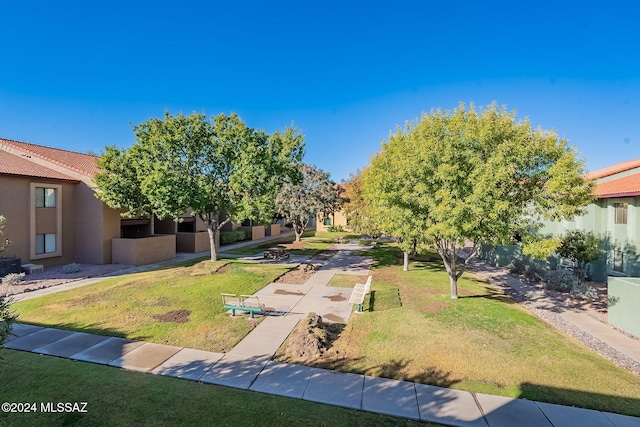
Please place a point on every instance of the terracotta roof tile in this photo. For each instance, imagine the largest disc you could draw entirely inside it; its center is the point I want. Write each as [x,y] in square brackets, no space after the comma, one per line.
[622,187]
[614,169]
[78,162]
[11,164]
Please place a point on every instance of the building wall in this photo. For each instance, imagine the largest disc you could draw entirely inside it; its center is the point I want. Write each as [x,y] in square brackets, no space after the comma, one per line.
[25,220]
[335,219]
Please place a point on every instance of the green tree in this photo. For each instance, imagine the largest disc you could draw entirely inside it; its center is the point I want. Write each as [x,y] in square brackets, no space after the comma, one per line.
[581,247]
[207,166]
[298,201]
[474,175]
[356,207]
[3,241]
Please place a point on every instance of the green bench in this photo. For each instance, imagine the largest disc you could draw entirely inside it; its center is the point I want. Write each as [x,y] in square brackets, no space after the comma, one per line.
[249,303]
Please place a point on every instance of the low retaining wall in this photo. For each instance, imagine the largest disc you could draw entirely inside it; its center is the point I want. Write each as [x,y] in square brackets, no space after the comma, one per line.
[272,230]
[257,231]
[193,242]
[624,312]
[146,250]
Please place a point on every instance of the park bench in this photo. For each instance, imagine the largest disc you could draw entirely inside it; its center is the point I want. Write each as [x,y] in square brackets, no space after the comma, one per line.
[249,303]
[360,290]
[276,253]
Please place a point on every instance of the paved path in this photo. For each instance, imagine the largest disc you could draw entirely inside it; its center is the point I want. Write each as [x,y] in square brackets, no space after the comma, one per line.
[248,365]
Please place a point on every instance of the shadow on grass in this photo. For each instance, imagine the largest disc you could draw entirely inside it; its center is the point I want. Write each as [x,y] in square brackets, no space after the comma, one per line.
[582,399]
[89,329]
[490,294]
[384,299]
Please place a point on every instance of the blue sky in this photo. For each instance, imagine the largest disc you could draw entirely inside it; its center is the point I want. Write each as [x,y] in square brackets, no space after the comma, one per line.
[76,75]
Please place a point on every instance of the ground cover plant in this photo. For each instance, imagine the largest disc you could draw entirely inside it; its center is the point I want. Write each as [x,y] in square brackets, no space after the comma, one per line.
[178,305]
[116,397]
[482,342]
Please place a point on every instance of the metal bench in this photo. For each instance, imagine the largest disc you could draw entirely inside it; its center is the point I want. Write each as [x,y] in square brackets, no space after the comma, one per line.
[360,290]
[276,253]
[249,303]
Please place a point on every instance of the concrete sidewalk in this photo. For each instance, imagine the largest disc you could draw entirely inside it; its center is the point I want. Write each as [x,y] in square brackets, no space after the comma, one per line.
[248,370]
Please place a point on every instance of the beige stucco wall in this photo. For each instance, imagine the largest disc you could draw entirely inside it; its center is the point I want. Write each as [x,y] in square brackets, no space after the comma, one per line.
[257,231]
[273,230]
[337,218]
[144,251]
[16,205]
[192,242]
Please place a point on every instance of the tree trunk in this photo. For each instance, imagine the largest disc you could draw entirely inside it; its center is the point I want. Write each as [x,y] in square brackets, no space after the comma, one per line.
[453,284]
[406,261]
[212,242]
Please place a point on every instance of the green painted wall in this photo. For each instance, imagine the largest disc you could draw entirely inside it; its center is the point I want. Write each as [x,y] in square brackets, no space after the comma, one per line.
[625,312]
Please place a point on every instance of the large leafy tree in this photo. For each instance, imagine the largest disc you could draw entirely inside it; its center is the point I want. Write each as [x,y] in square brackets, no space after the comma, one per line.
[356,207]
[205,165]
[298,201]
[472,175]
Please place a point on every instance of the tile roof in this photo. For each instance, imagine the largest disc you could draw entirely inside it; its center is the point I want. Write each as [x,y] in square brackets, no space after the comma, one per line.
[614,169]
[12,164]
[622,187]
[84,164]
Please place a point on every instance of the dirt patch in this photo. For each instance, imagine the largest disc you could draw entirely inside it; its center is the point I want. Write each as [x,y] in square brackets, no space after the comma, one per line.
[176,316]
[324,254]
[335,298]
[285,292]
[205,268]
[311,338]
[297,275]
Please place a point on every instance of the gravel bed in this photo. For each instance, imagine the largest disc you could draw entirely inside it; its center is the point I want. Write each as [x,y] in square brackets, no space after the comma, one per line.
[55,276]
[558,322]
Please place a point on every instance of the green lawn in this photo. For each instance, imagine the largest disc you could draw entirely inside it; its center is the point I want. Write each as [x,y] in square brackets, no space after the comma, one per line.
[116,397]
[178,305]
[484,342]
[311,243]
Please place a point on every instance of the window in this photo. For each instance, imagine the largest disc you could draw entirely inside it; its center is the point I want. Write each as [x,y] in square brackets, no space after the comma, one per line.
[621,212]
[45,197]
[327,221]
[45,243]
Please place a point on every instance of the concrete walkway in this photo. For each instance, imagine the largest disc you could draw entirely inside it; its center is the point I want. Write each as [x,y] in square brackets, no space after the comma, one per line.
[249,366]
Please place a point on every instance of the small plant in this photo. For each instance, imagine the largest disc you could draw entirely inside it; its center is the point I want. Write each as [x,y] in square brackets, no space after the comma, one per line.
[7,318]
[3,242]
[533,273]
[12,278]
[70,268]
[585,292]
[335,229]
[560,280]
[518,266]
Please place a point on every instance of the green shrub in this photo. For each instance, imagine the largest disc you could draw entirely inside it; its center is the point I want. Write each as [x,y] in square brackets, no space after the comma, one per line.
[533,273]
[335,229]
[70,268]
[227,237]
[518,266]
[7,317]
[12,278]
[560,280]
[585,292]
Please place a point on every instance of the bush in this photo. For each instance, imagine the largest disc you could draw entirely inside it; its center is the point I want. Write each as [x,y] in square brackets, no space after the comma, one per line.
[227,237]
[533,273]
[335,229]
[560,280]
[7,317]
[70,268]
[12,278]
[585,292]
[518,266]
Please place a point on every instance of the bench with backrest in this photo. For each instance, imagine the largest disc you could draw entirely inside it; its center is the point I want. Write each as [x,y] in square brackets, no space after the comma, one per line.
[360,290]
[249,303]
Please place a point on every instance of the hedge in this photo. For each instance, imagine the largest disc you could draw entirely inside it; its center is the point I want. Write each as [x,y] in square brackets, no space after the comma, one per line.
[227,237]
